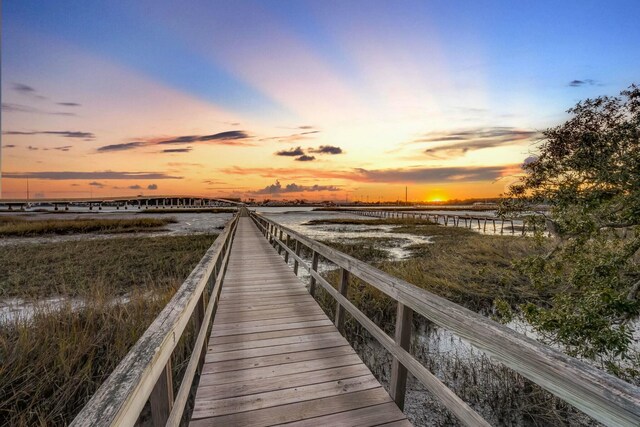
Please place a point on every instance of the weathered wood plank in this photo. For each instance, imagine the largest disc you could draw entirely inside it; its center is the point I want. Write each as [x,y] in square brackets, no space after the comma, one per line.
[275,360]
[279,369]
[280,349]
[274,342]
[299,410]
[282,397]
[369,416]
[248,384]
[213,341]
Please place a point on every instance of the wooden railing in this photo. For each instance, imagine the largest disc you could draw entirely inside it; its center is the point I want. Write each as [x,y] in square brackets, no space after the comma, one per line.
[470,221]
[598,394]
[145,372]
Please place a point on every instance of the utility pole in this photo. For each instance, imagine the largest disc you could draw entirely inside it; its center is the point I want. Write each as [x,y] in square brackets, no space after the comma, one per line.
[27,189]
[406,199]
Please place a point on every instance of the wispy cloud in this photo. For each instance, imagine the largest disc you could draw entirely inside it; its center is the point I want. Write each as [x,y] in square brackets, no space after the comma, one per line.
[96,184]
[416,175]
[177,150]
[293,152]
[20,108]
[585,82]
[104,175]
[87,136]
[69,104]
[326,149]
[121,147]
[234,137]
[458,142]
[152,187]
[277,188]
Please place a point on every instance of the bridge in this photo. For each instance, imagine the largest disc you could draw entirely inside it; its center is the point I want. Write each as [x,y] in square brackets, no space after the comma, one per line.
[265,353]
[147,202]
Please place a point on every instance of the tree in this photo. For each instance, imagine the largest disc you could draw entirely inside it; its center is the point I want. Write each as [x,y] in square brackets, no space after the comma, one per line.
[587,171]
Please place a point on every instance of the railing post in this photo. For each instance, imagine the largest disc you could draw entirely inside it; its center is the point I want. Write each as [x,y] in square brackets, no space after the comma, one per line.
[279,245]
[286,252]
[314,267]
[398,383]
[295,262]
[161,397]
[343,288]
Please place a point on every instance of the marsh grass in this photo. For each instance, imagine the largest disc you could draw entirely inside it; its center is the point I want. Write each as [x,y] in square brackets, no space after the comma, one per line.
[72,268]
[469,269]
[19,227]
[52,362]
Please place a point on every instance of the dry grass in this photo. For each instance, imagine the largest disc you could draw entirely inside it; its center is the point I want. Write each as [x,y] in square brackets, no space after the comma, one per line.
[52,363]
[72,268]
[14,226]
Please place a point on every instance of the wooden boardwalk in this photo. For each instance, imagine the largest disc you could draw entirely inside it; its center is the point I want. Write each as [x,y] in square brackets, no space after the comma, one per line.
[274,357]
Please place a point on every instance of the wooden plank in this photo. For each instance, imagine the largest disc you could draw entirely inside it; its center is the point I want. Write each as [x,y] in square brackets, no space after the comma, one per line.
[279,369]
[282,397]
[370,416]
[280,349]
[273,342]
[273,360]
[251,385]
[213,341]
[286,320]
[299,410]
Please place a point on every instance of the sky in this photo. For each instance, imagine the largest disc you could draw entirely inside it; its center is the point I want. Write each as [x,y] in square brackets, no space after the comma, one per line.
[288,99]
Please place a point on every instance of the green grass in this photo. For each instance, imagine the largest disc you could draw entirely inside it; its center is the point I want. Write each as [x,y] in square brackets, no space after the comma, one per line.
[19,227]
[72,268]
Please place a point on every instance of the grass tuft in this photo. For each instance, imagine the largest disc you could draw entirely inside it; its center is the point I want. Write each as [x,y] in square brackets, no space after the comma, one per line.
[19,227]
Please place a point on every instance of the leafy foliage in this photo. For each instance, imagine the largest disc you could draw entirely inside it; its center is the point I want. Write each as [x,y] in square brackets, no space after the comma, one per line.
[587,171]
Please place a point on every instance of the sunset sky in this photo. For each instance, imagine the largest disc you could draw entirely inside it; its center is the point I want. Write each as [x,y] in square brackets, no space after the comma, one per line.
[296,99]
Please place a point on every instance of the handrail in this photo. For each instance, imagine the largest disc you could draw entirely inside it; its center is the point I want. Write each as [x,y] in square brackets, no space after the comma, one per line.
[600,395]
[145,372]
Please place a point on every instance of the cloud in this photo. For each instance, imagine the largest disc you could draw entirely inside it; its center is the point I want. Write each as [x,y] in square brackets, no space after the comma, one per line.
[63,148]
[295,137]
[69,104]
[66,175]
[229,137]
[9,146]
[305,158]
[326,149]
[277,188]
[32,148]
[23,89]
[96,184]
[579,83]
[87,136]
[399,175]
[291,152]
[234,137]
[458,142]
[177,150]
[152,187]
[121,147]
[19,108]
[134,187]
